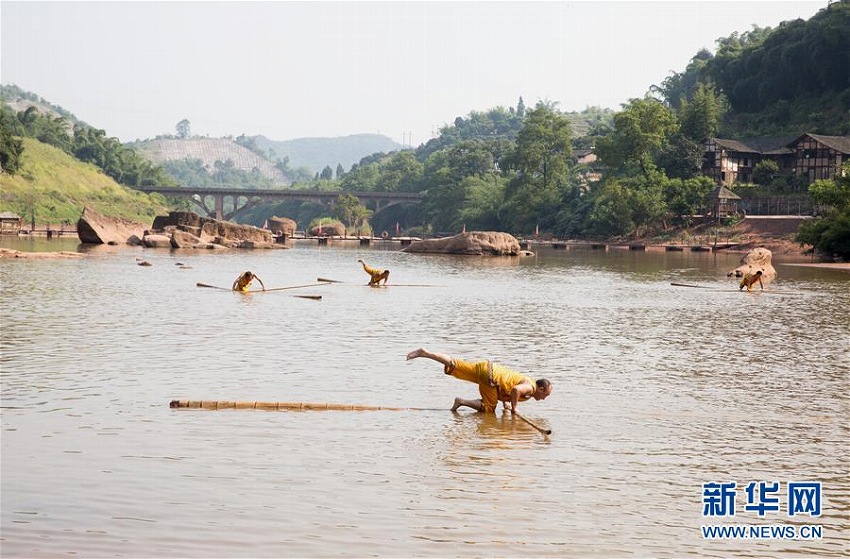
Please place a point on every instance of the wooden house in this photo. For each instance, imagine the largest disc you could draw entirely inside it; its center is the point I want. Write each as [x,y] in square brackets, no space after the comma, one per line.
[729,162]
[810,156]
[820,157]
[10,224]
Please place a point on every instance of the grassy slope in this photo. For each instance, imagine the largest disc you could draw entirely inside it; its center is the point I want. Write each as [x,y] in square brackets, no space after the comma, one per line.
[60,186]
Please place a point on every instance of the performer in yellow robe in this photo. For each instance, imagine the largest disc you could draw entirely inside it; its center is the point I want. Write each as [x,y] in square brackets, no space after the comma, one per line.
[376,274]
[750,280]
[243,282]
[495,383]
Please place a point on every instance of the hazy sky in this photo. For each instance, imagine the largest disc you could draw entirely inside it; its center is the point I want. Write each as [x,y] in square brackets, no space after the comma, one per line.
[309,69]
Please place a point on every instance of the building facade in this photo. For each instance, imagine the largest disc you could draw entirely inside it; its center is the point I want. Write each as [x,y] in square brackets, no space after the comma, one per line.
[810,156]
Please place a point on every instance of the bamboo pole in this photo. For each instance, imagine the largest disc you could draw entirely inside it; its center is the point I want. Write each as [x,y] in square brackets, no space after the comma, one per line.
[278,406]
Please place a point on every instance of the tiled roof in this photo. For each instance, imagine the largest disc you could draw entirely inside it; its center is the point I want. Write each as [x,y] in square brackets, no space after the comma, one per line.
[722,193]
[772,145]
[838,143]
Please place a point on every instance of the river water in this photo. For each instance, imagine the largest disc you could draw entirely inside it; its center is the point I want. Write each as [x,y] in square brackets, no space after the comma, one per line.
[658,390]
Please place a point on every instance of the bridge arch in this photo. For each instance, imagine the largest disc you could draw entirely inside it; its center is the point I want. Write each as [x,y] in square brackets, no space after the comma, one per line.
[243,198]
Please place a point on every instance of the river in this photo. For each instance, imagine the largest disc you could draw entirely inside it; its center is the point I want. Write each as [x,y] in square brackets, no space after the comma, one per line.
[659,391]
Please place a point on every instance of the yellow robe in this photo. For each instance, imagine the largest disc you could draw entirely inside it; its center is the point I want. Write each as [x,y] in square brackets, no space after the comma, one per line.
[492,387]
[376,274]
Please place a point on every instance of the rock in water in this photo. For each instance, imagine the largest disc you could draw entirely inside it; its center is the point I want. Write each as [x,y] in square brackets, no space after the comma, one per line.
[755,260]
[93,228]
[488,243]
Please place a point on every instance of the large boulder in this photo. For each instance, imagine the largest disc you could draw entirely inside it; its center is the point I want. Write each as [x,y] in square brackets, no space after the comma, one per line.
[152,240]
[94,228]
[282,225]
[328,230]
[491,243]
[755,260]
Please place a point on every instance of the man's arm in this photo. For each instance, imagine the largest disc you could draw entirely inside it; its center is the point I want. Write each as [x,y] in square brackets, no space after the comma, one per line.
[521,389]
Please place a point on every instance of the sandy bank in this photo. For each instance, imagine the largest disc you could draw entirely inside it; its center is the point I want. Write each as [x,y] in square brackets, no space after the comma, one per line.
[9,253]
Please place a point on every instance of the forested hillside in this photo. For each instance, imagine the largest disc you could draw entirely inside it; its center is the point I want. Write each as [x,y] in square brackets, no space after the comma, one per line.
[788,80]
[55,187]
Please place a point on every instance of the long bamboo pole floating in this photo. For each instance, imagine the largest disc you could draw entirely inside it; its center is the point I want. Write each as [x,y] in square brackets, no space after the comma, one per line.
[199,284]
[278,406]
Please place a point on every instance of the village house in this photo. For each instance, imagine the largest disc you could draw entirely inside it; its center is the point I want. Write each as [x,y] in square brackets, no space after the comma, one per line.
[10,224]
[586,157]
[810,156]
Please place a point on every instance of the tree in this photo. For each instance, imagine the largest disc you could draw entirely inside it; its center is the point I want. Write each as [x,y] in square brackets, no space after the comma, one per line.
[183,129]
[641,130]
[339,171]
[327,173]
[520,108]
[541,165]
[829,232]
[11,148]
[765,171]
[699,119]
[350,211]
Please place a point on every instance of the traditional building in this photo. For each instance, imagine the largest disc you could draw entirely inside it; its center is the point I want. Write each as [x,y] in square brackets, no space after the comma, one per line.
[810,156]
[10,224]
[722,202]
[820,157]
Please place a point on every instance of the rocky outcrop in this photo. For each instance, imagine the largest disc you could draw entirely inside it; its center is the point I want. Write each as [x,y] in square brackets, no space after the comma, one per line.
[93,228]
[282,226]
[755,260]
[204,231]
[489,243]
[328,230]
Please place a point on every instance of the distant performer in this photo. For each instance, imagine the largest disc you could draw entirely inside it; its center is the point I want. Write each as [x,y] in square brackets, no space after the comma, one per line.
[495,383]
[375,274]
[750,280]
[243,282]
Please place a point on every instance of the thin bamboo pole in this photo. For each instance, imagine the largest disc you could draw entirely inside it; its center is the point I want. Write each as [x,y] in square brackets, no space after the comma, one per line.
[277,406]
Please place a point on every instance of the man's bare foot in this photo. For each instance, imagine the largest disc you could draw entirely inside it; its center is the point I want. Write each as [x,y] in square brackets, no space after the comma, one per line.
[415,353]
[456,405]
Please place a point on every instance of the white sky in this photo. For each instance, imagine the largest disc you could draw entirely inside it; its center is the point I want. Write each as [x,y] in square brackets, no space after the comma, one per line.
[316,69]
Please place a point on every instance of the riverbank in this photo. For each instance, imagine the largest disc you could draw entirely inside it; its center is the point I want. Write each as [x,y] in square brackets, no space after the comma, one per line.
[775,233]
[11,253]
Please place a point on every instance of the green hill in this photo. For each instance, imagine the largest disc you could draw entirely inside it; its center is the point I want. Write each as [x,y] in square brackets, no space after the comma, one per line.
[57,187]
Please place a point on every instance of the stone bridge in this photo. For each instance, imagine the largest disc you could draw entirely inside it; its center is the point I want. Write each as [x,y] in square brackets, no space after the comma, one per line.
[211,200]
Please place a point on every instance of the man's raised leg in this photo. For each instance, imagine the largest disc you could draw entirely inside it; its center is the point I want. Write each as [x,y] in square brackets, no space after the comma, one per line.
[438,357]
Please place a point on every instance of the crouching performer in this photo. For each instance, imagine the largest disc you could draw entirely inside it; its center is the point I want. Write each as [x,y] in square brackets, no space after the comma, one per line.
[243,282]
[376,274]
[495,383]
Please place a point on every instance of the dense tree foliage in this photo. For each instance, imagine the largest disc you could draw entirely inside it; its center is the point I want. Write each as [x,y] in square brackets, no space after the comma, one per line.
[641,130]
[784,80]
[85,143]
[830,231]
[11,147]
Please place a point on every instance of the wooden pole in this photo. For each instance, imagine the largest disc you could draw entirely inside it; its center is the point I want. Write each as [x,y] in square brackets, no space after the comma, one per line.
[544,431]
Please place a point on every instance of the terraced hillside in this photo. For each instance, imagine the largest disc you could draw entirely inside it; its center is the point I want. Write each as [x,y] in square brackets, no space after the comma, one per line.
[209,150]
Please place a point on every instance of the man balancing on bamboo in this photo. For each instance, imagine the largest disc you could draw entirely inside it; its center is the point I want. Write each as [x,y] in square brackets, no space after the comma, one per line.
[495,383]
[376,274]
[243,282]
